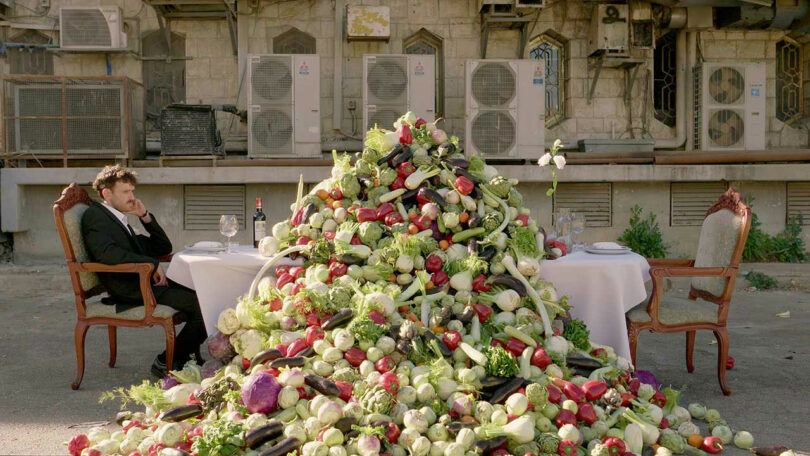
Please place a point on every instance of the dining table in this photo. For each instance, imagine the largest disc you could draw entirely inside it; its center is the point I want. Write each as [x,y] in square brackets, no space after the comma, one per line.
[600,288]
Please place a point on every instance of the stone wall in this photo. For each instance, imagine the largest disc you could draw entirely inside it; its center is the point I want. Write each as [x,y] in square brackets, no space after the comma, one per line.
[214,75]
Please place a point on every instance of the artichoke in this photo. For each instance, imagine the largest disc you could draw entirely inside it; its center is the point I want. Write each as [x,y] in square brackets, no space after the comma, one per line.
[548,442]
[349,185]
[370,155]
[491,221]
[377,400]
[369,232]
[387,177]
[500,186]
[515,199]
[363,167]
[346,374]
[374,195]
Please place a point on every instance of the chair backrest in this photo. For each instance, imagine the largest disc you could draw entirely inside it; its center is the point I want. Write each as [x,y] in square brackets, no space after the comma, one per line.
[67,214]
[722,240]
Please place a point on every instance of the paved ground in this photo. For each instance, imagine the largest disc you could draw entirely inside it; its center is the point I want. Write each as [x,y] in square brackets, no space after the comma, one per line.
[39,411]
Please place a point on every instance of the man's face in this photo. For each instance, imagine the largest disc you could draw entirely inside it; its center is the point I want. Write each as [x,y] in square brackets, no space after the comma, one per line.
[121,196]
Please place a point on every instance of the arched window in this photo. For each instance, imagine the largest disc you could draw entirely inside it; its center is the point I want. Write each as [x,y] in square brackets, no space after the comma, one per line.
[788,80]
[550,47]
[30,60]
[665,74]
[425,42]
[294,41]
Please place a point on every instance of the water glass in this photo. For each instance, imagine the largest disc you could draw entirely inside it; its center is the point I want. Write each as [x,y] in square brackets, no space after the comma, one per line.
[228,226]
[577,227]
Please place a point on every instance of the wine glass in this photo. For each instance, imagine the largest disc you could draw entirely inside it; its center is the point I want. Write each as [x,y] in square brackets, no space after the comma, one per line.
[577,227]
[563,225]
[228,226]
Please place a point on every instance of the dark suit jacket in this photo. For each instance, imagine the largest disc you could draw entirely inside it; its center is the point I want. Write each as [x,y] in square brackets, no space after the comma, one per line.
[108,241]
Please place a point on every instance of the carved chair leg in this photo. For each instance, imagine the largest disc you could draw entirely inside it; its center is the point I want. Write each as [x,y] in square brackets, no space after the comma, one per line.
[168,328]
[111,330]
[722,356]
[632,335]
[690,349]
[78,337]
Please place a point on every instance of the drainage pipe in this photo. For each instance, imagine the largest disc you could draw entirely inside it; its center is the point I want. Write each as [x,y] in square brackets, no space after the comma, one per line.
[337,83]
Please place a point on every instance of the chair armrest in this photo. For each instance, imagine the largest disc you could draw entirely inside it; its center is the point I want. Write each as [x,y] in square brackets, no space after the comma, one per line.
[123,267]
[164,258]
[690,271]
[670,262]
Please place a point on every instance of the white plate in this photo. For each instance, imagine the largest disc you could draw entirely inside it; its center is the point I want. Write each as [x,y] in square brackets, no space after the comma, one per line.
[205,249]
[608,251]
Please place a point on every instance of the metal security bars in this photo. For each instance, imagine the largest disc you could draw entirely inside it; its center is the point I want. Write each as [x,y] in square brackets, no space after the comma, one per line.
[788,80]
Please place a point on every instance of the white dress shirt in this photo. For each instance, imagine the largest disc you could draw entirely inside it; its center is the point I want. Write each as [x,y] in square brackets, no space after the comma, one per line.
[118,214]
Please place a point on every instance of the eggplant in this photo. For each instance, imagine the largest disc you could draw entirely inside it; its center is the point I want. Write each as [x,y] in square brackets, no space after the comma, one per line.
[283,447]
[404,346]
[350,259]
[365,181]
[490,381]
[393,331]
[434,290]
[488,252]
[490,445]
[120,417]
[307,352]
[509,282]
[463,172]
[339,319]
[345,424]
[380,423]
[181,413]
[173,452]
[261,434]
[393,153]
[505,390]
[476,193]
[459,163]
[264,356]
[467,315]
[546,247]
[586,363]
[349,435]
[309,209]
[402,157]
[445,315]
[428,336]
[474,220]
[454,427]
[446,148]
[295,361]
[472,248]
[432,195]
[321,385]
[412,193]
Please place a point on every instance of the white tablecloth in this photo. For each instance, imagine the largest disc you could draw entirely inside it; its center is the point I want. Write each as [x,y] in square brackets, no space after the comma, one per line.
[219,278]
[601,288]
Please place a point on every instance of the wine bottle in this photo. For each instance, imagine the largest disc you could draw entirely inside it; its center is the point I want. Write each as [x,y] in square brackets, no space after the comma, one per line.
[259,223]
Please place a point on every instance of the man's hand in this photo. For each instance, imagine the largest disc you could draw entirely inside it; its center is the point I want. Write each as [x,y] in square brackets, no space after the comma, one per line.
[139,210]
[159,277]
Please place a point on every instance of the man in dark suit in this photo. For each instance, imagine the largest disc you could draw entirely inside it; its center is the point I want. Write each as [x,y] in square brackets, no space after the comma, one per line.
[110,239]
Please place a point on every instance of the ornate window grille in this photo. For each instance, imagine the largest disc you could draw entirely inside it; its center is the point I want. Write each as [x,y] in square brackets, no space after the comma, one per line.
[664,65]
[788,80]
[550,47]
[426,42]
[294,41]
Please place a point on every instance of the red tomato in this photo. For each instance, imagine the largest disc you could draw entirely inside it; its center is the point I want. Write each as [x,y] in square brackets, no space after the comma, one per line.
[377,317]
[313,333]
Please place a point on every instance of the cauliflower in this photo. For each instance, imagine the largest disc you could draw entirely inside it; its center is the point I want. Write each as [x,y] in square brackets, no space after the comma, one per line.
[369,232]
[247,343]
[228,321]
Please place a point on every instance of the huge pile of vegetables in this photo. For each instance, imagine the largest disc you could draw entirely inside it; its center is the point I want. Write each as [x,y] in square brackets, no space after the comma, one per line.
[417,325]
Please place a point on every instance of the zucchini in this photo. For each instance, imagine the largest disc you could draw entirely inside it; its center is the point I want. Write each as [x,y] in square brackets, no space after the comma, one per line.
[339,319]
[393,153]
[321,385]
[173,452]
[283,447]
[428,336]
[261,434]
[489,445]
[345,424]
[181,413]
[489,382]
[466,234]
[402,157]
[264,356]
[473,354]
[500,394]
[509,282]
[295,361]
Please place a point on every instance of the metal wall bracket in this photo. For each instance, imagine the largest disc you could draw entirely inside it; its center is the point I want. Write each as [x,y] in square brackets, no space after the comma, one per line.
[628,64]
[491,21]
[195,9]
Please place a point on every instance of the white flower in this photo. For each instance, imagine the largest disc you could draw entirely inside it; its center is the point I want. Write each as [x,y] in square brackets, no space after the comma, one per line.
[559,160]
[544,160]
[557,144]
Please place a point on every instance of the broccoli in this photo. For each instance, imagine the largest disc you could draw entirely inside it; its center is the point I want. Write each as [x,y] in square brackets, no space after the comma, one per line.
[515,198]
[340,296]
[349,185]
[387,177]
[373,195]
[491,221]
[362,328]
[499,362]
[500,186]
[369,232]
[577,332]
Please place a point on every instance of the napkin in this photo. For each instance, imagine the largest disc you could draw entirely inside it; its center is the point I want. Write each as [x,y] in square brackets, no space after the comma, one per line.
[606,246]
[208,245]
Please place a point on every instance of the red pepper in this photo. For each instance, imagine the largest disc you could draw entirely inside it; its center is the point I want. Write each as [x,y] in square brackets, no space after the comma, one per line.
[355,240]
[433,263]
[524,219]
[390,382]
[405,169]
[594,389]
[313,333]
[281,268]
[439,278]
[338,269]
[336,194]
[303,240]
[392,433]
[497,343]
[354,356]
[626,398]
[132,424]
[276,304]
[664,424]
[586,413]
[385,364]
[312,320]
[345,389]
[451,338]
[567,448]
[730,362]
[615,446]
[296,271]
[384,209]
[633,386]
[515,346]
[296,288]
[483,311]
[464,185]
[499,452]
[480,284]
[419,122]
[296,218]
[398,183]
[599,353]
[366,214]
[404,133]
[272,371]
[554,394]
[659,399]
[297,346]
[283,349]
[77,444]
[565,417]
[540,358]
[712,445]
[573,392]
[302,393]
[422,222]
[329,235]
[245,363]
[284,279]
[376,317]
[393,218]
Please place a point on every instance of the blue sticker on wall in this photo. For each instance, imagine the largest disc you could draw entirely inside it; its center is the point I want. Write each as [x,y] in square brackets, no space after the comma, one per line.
[537,81]
[754,92]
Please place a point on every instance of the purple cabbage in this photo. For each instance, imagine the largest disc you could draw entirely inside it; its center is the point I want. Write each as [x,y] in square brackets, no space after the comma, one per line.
[260,392]
[649,378]
[167,382]
[210,368]
[219,347]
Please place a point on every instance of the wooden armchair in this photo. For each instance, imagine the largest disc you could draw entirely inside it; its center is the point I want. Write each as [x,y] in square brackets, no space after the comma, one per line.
[67,213]
[722,239]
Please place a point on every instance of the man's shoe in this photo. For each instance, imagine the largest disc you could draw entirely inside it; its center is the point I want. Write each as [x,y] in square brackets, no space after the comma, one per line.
[158,368]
